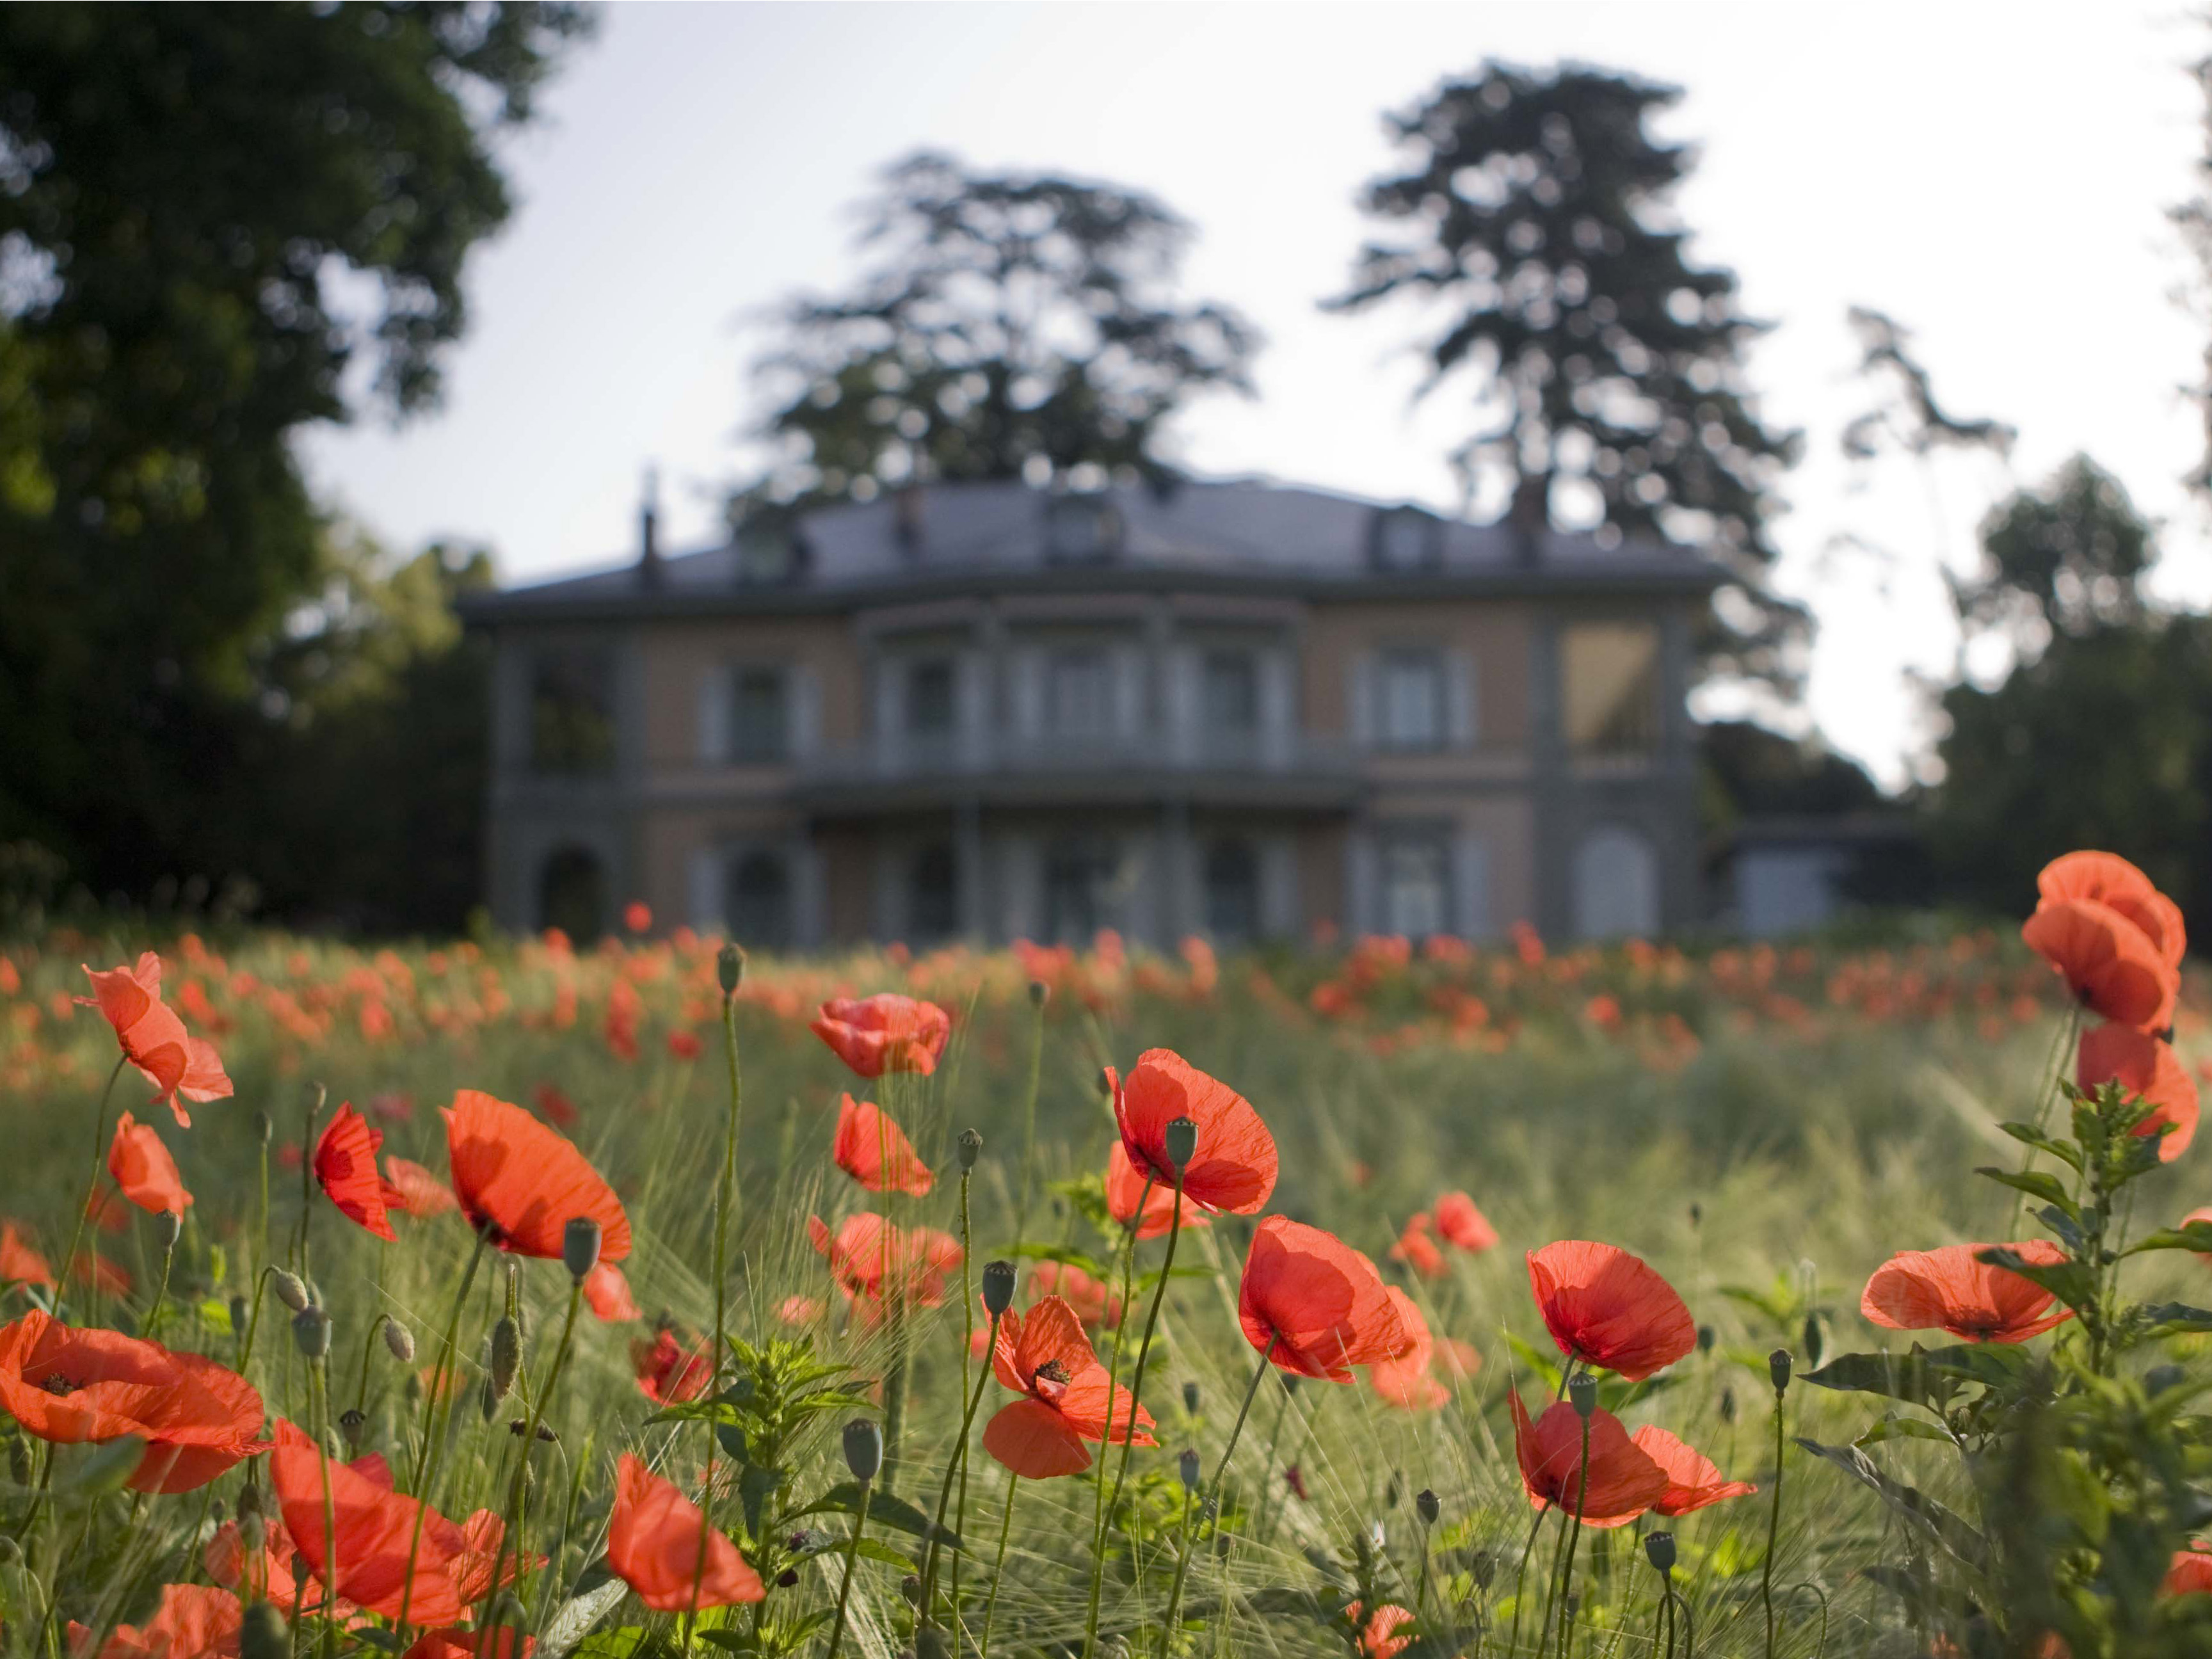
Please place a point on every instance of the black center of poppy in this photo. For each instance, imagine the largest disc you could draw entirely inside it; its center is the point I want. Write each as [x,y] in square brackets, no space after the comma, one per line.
[1051,1371]
[60,1384]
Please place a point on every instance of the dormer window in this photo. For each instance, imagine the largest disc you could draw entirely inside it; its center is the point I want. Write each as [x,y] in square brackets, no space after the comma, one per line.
[767,551]
[1081,529]
[1406,539]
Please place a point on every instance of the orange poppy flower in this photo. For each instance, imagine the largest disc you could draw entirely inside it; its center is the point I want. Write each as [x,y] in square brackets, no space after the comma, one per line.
[2146,1066]
[874,1151]
[608,1294]
[2108,878]
[1417,1249]
[1125,1187]
[1625,1479]
[2111,965]
[871,1259]
[886,1032]
[665,1373]
[2189,1572]
[1233,1167]
[192,1621]
[1605,1306]
[421,1194]
[1378,1639]
[481,1553]
[74,1386]
[376,1535]
[1693,1482]
[1406,1381]
[1949,1289]
[1464,1225]
[654,1544]
[460,1642]
[521,1183]
[345,1168]
[20,1264]
[1044,1356]
[144,1169]
[265,1578]
[1314,1304]
[154,1037]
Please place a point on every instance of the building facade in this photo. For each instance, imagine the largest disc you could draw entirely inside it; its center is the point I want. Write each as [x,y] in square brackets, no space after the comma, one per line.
[1236,710]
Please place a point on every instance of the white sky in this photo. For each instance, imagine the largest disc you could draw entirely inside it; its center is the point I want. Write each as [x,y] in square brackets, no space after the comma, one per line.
[1994,176]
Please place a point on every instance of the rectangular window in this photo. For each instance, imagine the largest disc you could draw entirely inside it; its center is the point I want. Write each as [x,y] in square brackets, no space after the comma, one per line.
[1079,881]
[1080,699]
[1232,696]
[1410,691]
[1610,704]
[760,727]
[929,701]
[572,719]
[1416,885]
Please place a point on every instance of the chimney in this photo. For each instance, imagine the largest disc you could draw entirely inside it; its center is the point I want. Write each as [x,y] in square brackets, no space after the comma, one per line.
[905,518]
[1529,517]
[648,525]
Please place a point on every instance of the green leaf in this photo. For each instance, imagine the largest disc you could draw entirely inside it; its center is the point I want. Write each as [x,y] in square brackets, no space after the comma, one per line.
[1907,1376]
[2036,1184]
[2073,1283]
[1941,1524]
[1904,1428]
[756,1485]
[218,1267]
[2196,1236]
[883,1510]
[2175,1319]
[2064,1151]
[621,1643]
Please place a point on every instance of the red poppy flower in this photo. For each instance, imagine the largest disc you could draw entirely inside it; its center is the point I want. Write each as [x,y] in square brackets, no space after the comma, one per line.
[654,1544]
[1625,1479]
[2108,878]
[74,1386]
[1094,1304]
[1233,1167]
[2111,964]
[482,1553]
[1949,1289]
[20,1264]
[1464,1225]
[1044,1356]
[684,1046]
[192,1621]
[378,1533]
[1417,1249]
[144,1169]
[460,1642]
[1125,1187]
[874,1151]
[608,1293]
[1603,1305]
[345,1167]
[637,917]
[1377,1639]
[1314,1304]
[522,1183]
[2146,1066]
[872,1258]
[806,1309]
[886,1032]
[2189,1572]
[1692,1481]
[1407,1381]
[153,1038]
[267,1577]
[665,1373]
[421,1194]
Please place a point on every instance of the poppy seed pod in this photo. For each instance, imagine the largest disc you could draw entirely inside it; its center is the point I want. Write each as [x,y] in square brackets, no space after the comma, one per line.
[730,968]
[310,1332]
[1778,1367]
[261,1634]
[1814,1342]
[1582,1394]
[1190,1398]
[1187,1467]
[263,1128]
[350,1425]
[1181,1142]
[1425,1505]
[1394,1491]
[19,1461]
[166,1226]
[254,1531]
[1659,1550]
[506,1358]
[580,1246]
[487,1400]
[239,1313]
[399,1340]
[910,1590]
[1706,1337]
[1039,992]
[289,1290]
[998,1287]
[864,1449]
[971,1148]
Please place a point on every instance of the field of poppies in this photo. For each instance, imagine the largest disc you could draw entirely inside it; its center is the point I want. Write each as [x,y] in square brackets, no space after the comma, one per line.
[534,1296]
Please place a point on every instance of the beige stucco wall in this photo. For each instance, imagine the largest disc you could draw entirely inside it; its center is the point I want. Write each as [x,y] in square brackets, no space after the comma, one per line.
[679,655]
[1494,635]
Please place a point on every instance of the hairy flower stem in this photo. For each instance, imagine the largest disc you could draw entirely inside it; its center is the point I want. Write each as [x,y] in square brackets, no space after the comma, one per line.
[1520,1572]
[434,1426]
[360,1391]
[726,1195]
[955,1465]
[1773,1529]
[1565,1586]
[1144,1353]
[998,1567]
[512,1532]
[852,1555]
[92,1184]
[319,1387]
[1212,1497]
[1098,1516]
[317,1096]
[153,1320]
[967,1344]
[1029,1119]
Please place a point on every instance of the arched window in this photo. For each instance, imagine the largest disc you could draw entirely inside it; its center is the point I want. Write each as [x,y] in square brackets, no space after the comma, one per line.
[933,895]
[1616,881]
[572,894]
[759,901]
[1232,892]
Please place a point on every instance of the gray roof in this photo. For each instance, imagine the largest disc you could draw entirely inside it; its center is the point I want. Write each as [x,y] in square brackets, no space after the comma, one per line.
[1246,535]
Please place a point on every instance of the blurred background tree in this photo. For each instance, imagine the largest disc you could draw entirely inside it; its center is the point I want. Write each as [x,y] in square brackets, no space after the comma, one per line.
[215,223]
[1008,325]
[1533,221]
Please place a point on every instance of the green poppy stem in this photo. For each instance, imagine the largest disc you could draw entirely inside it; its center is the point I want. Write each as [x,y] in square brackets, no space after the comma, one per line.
[852,1556]
[1144,1353]
[1099,1517]
[726,1195]
[998,1567]
[92,1183]
[953,1465]
[435,1422]
[1213,1497]
[1773,1528]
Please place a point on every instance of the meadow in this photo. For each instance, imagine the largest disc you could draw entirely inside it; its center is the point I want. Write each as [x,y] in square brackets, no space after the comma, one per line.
[1765,1127]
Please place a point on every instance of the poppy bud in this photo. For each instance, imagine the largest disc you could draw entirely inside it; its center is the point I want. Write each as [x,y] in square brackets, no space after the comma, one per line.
[730,968]
[1187,1467]
[998,1287]
[166,1226]
[1392,1492]
[910,1590]
[1727,1405]
[1582,1394]
[1190,1399]
[261,1634]
[414,1390]
[1181,1142]
[399,1339]
[350,1424]
[1659,1550]
[1706,1337]
[1425,1505]
[1697,1213]
[506,1358]
[289,1290]
[971,1148]
[487,1401]
[218,1511]
[580,1246]
[310,1332]
[239,1313]
[253,1531]
[1814,1342]
[864,1449]
[1039,991]
[263,1128]
[19,1461]
[249,1502]
[1778,1367]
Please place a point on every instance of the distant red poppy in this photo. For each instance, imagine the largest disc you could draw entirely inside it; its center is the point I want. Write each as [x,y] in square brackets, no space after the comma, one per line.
[1692,1481]
[554,1106]
[1464,1225]
[654,1541]
[2111,964]
[481,1555]
[608,1294]
[872,1258]
[1314,1304]
[143,1170]
[378,1533]
[421,1194]
[684,1045]
[874,1151]
[345,1167]
[75,1386]
[1124,1187]
[886,1032]
[1233,1167]
[2190,1571]
[521,1183]
[1607,1307]
[267,1577]
[1044,1356]
[1406,1381]
[1625,1480]
[154,1037]
[20,1264]
[637,917]
[1949,1289]
[191,1622]
[2147,1067]
[1417,1249]
[665,1373]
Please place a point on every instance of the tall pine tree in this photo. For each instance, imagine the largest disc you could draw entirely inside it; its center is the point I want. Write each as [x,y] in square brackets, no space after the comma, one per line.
[1532,214]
